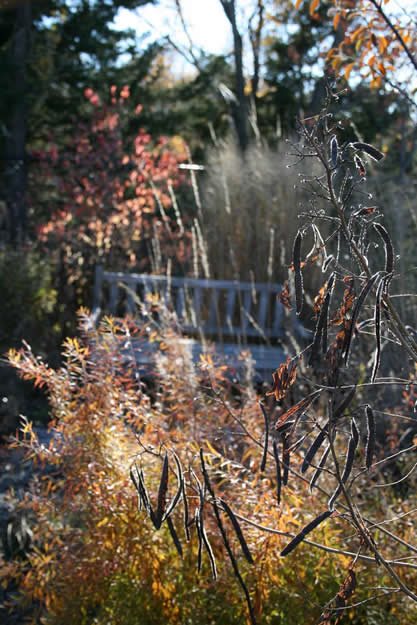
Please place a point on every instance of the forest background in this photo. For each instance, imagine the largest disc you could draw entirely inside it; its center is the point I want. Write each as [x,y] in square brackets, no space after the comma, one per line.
[144,152]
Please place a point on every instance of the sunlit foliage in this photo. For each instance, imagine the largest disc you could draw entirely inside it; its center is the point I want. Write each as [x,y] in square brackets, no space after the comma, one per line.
[96,557]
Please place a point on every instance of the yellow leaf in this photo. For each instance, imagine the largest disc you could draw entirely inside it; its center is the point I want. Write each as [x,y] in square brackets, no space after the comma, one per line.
[211,449]
[336,63]
[356,33]
[336,21]
[358,44]
[103,522]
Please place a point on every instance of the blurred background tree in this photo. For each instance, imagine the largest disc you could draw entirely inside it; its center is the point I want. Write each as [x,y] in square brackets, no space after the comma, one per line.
[273,68]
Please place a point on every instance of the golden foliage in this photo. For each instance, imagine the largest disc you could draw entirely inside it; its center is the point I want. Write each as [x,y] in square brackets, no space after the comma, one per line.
[97,559]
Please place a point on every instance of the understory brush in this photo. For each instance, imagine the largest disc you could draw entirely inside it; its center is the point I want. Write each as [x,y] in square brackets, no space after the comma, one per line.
[96,557]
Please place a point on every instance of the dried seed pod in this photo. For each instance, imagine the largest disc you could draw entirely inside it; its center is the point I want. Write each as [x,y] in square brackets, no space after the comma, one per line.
[238,530]
[136,484]
[388,246]
[186,518]
[284,426]
[208,549]
[266,441]
[203,538]
[134,479]
[370,436]
[180,489]
[360,165]
[319,468]
[314,447]
[298,276]
[329,259]
[334,151]
[347,188]
[350,458]
[366,210]
[162,493]
[286,458]
[200,540]
[277,470]
[174,535]
[377,319]
[306,530]
[226,541]
[143,493]
[341,407]
[355,313]
[370,150]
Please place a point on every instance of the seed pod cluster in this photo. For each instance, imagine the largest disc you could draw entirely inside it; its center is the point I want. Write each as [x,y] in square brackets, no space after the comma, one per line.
[226,540]
[163,511]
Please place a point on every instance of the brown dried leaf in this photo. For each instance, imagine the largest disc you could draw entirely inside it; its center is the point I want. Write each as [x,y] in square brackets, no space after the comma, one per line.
[283,378]
[285,297]
[296,410]
[345,592]
[347,588]
[347,302]
[318,300]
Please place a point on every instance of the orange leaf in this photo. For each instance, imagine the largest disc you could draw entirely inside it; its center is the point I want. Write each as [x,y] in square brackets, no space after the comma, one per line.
[382,44]
[298,3]
[348,70]
[314,5]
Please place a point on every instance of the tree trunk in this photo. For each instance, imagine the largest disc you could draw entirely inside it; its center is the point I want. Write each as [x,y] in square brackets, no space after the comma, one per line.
[240,107]
[15,157]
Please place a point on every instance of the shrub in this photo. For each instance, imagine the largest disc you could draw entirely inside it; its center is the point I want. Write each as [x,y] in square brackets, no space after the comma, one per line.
[96,557]
[101,195]
[27,291]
